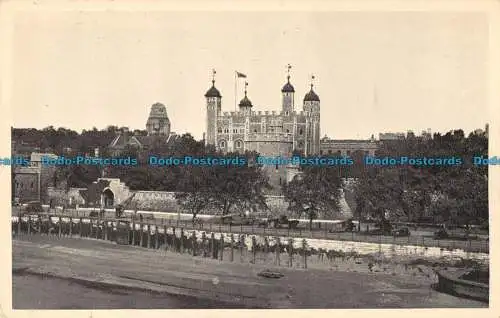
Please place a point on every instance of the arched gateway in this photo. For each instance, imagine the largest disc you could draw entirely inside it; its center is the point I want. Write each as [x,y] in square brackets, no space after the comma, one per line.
[108,198]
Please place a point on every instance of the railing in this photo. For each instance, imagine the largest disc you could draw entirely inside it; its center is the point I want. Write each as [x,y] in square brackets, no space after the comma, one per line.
[163,237]
[470,246]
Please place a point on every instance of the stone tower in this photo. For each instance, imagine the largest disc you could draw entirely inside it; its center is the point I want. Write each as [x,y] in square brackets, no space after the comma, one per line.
[158,122]
[288,92]
[214,104]
[312,109]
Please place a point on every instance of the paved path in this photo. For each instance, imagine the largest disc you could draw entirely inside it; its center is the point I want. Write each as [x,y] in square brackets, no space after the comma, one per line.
[110,265]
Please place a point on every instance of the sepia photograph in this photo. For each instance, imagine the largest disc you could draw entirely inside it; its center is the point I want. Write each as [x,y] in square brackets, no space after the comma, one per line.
[238,159]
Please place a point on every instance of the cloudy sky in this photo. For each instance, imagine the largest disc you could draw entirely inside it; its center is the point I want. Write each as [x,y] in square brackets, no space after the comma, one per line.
[375,71]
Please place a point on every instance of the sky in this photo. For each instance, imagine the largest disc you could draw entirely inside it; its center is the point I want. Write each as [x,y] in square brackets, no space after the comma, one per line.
[374,71]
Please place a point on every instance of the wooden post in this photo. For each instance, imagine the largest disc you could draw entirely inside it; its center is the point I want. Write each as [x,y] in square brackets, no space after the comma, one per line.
[40,224]
[70,226]
[193,243]
[141,230]
[81,226]
[213,244]
[290,252]
[304,248]
[254,249]
[173,247]
[278,251]
[240,245]
[266,246]
[182,241]
[18,225]
[149,236]
[29,224]
[221,246]
[60,226]
[98,224]
[232,247]
[157,239]
[165,236]
[203,243]
[133,233]
[106,230]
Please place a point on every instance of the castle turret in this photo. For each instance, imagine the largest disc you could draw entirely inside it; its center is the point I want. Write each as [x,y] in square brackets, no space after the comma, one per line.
[214,104]
[288,92]
[245,104]
[312,107]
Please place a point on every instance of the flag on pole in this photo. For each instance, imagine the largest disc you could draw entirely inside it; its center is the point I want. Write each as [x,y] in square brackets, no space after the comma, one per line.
[240,75]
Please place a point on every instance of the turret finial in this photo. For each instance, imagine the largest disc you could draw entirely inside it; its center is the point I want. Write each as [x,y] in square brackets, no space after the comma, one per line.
[246,85]
[213,76]
[312,81]
[289,67]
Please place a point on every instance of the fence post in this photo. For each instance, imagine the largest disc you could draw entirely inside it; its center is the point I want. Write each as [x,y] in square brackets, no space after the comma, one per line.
[221,246]
[70,226]
[290,252]
[304,248]
[141,233]
[203,244]
[60,226]
[193,243]
[133,233]
[173,247]
[232,247]
[182,241]
[149,236]
[254,249]
[157,239]
[240,243]
[18,225]
[165,237]
[40,224]
[266,246]
[278,251]
[80,225]
[212,244]
[29,224]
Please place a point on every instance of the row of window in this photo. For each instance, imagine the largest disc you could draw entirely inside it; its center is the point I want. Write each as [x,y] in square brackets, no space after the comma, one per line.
[338,153]
[241,131]
[21,185]
[237,144]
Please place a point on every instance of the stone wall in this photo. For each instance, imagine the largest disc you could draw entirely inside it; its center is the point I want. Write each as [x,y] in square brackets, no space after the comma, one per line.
[69,198]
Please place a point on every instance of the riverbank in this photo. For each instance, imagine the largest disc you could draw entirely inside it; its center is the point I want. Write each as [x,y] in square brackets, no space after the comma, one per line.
[346,284]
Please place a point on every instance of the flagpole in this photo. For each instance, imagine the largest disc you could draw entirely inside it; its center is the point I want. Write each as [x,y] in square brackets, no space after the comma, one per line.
[235,88]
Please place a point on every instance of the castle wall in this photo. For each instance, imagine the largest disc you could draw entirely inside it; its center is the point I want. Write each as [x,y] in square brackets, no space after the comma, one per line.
[61,197]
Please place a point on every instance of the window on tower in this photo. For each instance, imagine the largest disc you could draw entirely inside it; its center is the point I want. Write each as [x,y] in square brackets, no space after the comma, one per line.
[301,131]
[219,130]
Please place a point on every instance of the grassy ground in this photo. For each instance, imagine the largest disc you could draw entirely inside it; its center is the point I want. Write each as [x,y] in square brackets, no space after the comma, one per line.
[325,284]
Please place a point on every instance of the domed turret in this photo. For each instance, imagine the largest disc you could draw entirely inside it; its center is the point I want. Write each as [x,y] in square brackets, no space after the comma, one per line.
[288,88]
[311,96]
[245,104]
[288,93]
[213,92]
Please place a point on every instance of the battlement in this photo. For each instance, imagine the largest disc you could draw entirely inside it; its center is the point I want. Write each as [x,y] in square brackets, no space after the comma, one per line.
[269,137]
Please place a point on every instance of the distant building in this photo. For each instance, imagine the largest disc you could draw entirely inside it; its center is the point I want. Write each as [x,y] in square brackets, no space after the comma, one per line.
[158,129]
[31,182]
[346,147]
[391,136]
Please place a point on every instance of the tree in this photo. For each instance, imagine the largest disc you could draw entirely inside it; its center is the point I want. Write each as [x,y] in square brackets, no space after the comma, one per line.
[194,189]
[316,190]
[238,185]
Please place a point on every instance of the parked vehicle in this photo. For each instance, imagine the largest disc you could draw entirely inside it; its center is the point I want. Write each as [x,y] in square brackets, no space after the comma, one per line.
[282,222]
[404,231]
[33,207]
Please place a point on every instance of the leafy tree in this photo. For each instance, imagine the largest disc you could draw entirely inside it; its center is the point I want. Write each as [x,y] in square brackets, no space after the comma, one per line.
[316,190]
